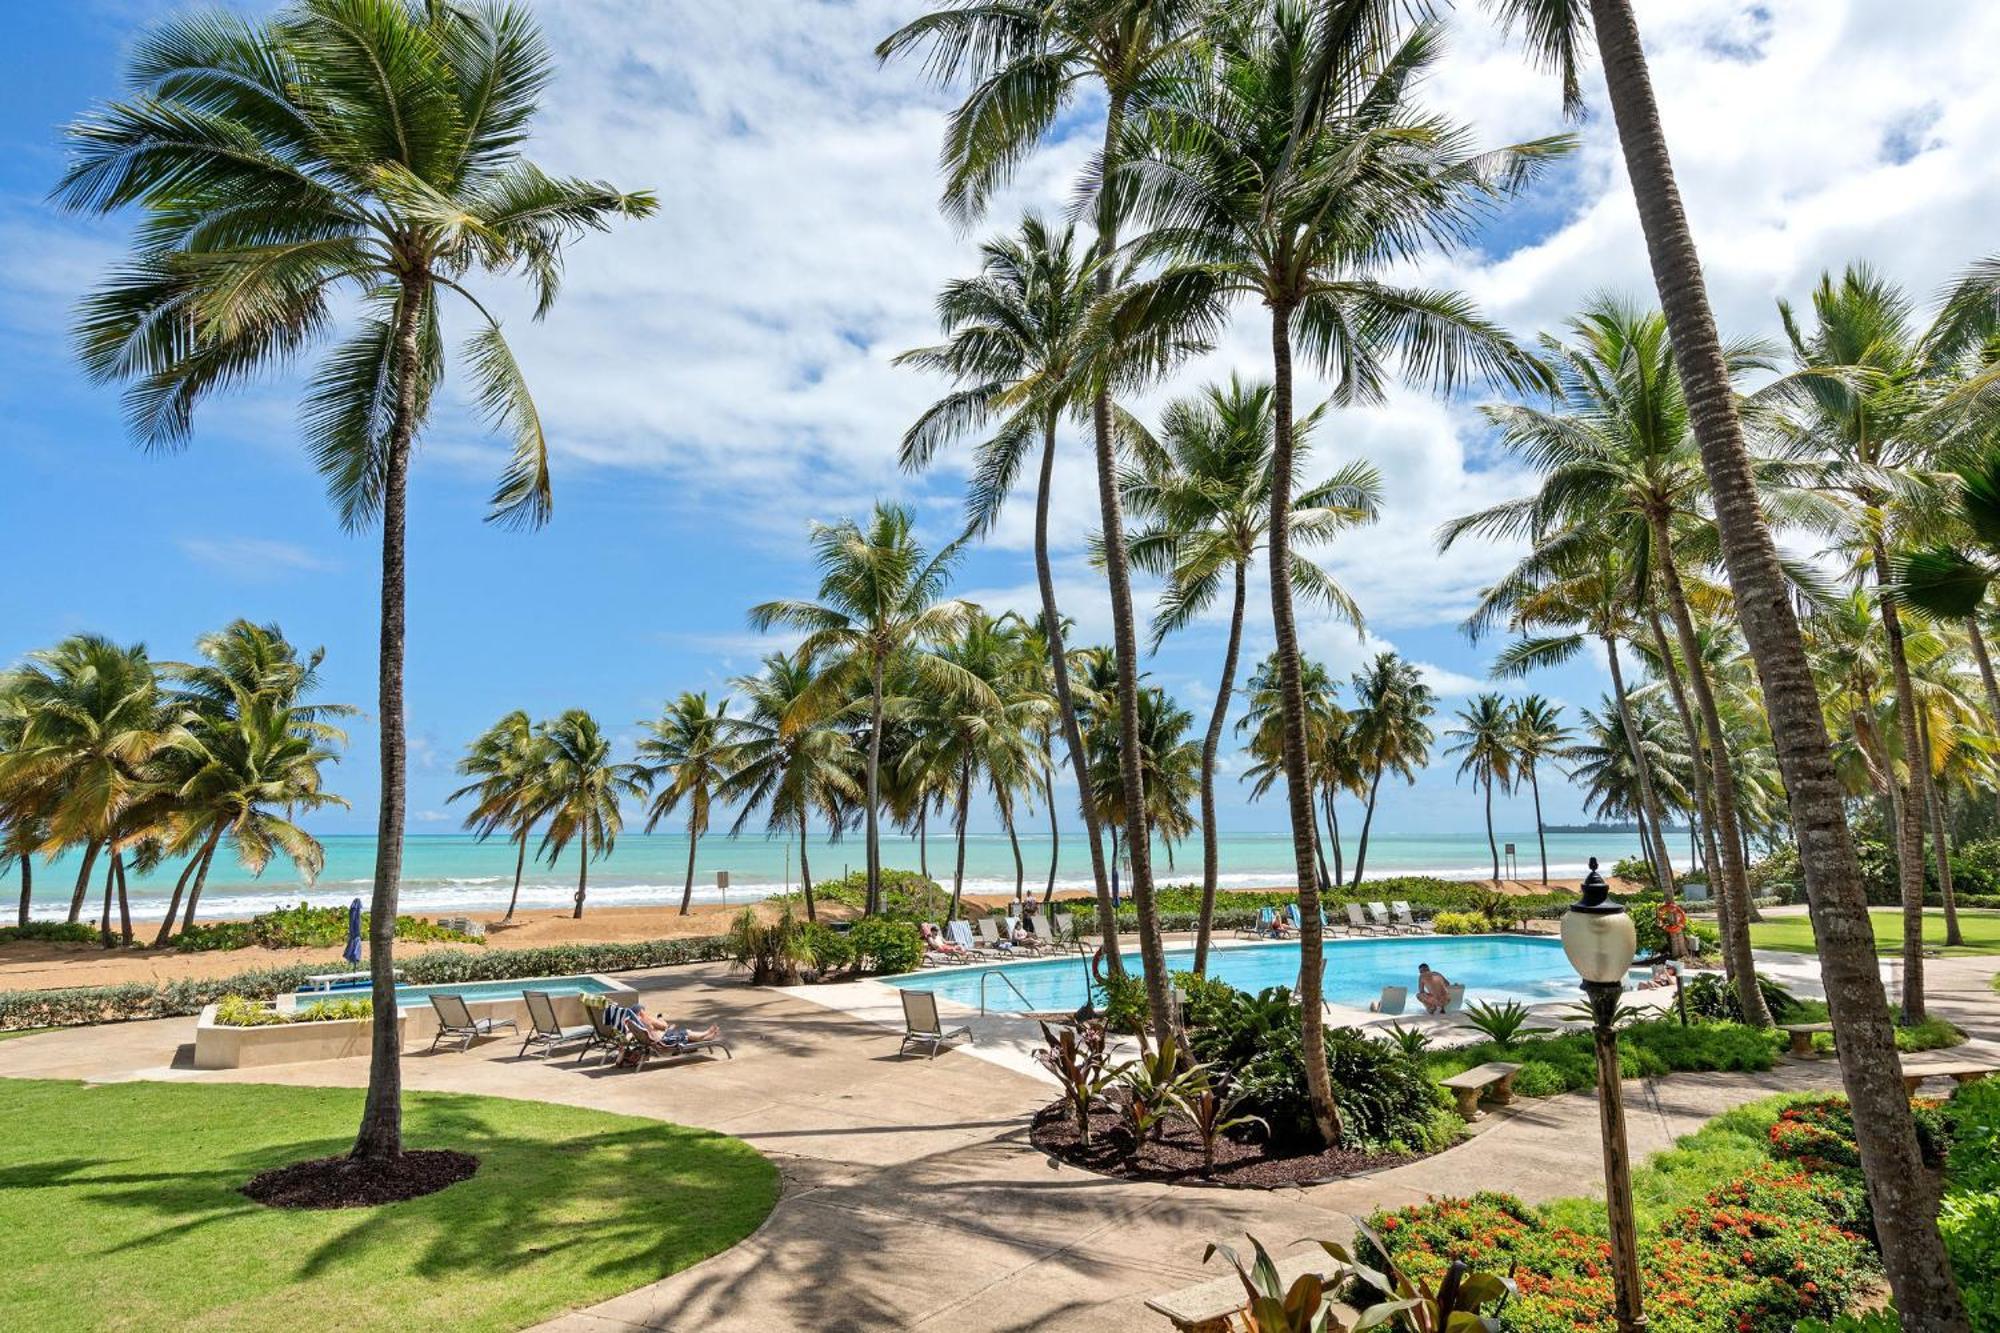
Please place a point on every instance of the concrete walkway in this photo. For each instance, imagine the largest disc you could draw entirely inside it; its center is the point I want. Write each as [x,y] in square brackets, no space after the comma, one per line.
[912,1197]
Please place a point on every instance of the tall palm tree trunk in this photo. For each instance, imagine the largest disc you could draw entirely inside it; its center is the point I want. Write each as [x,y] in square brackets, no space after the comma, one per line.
[1541,837]
[923,838]
[194,892]
[1319,855]
[1915,793]
[1298,778]
[582,873]
[1986,678]
[1913,1251]
[381,1135]
[687,888]
[124,905]
[1055,831]
[1701,825]
[958,870]
[83,880]
[1079,759]
[1333,833]
[520,868]
[199,859]
[1940,839]
[1733,893]
[1642,767]
[805,867]
[872,834]
[1491,845]
[1367,822]
[110,882]
[1211,853]
[28,888]
[1020,866]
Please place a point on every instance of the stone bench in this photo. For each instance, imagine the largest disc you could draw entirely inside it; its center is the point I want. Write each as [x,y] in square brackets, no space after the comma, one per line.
[1211,1306]
[1963,1071]
[1467,1087]
[1802,1035]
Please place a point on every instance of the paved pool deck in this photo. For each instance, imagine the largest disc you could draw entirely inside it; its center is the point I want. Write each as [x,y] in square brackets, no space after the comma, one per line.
[912,1198]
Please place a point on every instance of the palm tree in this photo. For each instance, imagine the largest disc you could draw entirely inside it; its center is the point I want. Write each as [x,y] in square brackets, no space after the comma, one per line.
[1539,734]
[791,769]
[686,751]
[881,607]
[1171,764]
[85,759]
[1022,347]
[256,748]
[1619,463]
[1304,206]
[1607,762]
[338,155]
[1919,1270]
[1485,751]
[507,764]
[581,789]
[1391,732]
[1025,66]
[1203,491]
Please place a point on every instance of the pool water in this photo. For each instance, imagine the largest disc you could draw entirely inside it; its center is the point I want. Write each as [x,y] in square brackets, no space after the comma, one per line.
[471,990]
[1490,967]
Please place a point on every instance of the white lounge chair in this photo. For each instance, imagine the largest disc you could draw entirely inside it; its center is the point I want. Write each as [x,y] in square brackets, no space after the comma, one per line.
[1392,1001]
[960,933]
[1033,943]
[1358,924]
[1454,998]
[922,1025]
[1400,913]
[456,1020]
[990,939]
[1378,916]
[545,1030]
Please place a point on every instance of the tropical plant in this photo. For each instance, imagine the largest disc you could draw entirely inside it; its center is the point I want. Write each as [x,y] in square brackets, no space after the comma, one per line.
[1215,1107]
[1154,1087]
[1503,1024]
[337,156]
[582,787]
[1539,736]
[1306,1306]
[1202,489]
[773,951]
[1078,1057]
[881,609]
[507,763]
[683,759]
[1390,733]
[1485,750]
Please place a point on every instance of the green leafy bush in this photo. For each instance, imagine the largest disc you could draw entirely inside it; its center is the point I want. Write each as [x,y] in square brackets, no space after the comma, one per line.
[1459,923]
[831,951]
[1634,870]
[1568,1062]
[886,946]
[906,895]
[50,932]
[76,1005]
[305,927]
[1710,996]
[1124,1002]
[1777,874]
[237,1011]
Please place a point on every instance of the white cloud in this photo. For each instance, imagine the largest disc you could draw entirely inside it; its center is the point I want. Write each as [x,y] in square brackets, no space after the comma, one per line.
[254,559]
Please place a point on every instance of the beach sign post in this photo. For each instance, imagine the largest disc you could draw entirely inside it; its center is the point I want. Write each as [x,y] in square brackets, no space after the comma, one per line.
[722,883]
[1513,868]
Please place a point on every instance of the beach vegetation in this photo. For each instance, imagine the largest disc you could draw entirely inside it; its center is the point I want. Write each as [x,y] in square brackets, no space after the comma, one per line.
[508,764]
[683,761]
[307,927]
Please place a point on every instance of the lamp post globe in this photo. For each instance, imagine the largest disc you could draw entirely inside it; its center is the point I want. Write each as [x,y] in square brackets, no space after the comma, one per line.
[1598,934]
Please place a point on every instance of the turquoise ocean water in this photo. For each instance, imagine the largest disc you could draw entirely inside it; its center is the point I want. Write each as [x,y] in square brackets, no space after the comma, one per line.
[455,872]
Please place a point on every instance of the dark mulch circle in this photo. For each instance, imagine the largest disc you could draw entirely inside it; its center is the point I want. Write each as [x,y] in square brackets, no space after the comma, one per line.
[342,1182]
[1174,1158]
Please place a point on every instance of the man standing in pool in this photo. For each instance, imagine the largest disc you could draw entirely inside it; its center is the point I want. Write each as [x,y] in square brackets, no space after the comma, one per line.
[1433,989]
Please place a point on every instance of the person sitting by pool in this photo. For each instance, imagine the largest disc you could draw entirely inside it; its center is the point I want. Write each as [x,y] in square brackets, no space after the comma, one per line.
[935,942]
[635,1020]
[1433,989]
[1663,977]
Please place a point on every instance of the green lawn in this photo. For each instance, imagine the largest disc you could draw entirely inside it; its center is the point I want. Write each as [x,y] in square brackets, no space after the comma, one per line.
[1794,933]
[119,1210]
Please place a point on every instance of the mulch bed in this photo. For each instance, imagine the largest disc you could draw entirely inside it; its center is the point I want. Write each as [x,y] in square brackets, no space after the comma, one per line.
[342,1182]
[1175,1157]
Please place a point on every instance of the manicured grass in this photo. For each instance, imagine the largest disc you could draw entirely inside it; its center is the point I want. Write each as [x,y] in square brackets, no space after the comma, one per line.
[22,1032]
[1795,934]
[119,1210]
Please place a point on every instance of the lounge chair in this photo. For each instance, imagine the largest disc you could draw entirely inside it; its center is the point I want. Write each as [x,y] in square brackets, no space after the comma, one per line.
[960,933]
[456,1020]
[990,940]
[545,1030]
[1033,943]
[630,1037]
[1454,998]
[1053,932]
[1066,932]
[938,957]
[1392,1001]
[1358,924]
[1266,926]
[1400,913]
[922,1025]
[1378,917]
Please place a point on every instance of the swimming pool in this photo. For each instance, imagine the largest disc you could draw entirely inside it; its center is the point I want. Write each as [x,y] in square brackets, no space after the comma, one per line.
[472,990]
[1530,969]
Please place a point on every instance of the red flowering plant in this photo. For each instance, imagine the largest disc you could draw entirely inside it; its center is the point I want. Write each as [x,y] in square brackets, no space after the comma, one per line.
[1820,1132]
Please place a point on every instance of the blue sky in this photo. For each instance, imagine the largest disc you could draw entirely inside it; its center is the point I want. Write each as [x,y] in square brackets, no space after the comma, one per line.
[717,377]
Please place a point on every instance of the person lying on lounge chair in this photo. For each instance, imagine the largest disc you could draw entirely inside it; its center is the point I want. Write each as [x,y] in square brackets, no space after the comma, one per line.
[1433,989]
[935,942]
[639,1023]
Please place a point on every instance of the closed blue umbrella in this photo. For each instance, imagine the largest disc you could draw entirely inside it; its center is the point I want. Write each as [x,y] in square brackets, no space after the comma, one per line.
[353,951]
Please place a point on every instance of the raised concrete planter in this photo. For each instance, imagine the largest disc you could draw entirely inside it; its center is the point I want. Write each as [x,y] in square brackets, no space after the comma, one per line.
[220,1047]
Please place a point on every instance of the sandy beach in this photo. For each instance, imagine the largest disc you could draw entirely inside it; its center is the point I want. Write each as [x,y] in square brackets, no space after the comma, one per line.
[37,966]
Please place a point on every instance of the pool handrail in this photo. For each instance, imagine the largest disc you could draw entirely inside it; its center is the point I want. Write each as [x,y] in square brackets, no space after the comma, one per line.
[991,972]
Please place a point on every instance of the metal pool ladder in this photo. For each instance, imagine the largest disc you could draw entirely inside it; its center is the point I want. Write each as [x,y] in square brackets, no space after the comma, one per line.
[1027,1006]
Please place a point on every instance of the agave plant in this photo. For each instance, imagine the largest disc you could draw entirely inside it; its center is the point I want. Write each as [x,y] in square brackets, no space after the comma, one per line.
[1078,1057]
[1413,1041]
[1503,1024]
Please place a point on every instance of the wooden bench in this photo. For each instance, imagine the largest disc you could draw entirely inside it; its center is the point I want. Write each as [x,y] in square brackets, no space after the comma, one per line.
[1208,1307]
[1497,1076]
[1963,1071]
[1802,1035]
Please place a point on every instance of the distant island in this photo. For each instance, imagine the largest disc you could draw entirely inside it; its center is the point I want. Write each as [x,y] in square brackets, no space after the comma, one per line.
[1628,827]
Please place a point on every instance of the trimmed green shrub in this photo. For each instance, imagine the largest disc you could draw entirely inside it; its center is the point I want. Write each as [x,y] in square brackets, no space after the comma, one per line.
[906,895]
[1124,1002]
[51,932]
[1459,923]
[77,1005]
[831,950]
[236,1011]
[1568,1062]
[886,946]
[305,927]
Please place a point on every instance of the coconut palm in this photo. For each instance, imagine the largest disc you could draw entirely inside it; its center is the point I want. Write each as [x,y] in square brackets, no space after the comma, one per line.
[1606,761]
[1391,732]
[1022,347]
[581,789]
[507,764]
[1483,743]
[1202,491]
[1539,736]
[882,606]
[1329,746]
[1618,461]
[1559,32]
[1171,763]
[20,830]
[1025,65]
[790,769]
[683,759]
[355,158]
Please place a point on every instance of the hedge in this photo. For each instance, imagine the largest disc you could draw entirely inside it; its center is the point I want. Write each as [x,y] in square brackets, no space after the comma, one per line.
[74,1006]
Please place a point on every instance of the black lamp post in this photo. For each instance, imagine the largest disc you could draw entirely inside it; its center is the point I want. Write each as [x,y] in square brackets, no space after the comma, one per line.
[1601,942]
